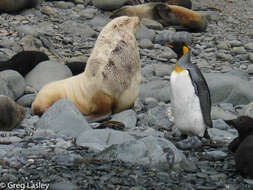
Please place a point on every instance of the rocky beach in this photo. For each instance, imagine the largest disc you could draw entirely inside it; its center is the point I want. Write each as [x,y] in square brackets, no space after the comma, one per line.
[62,151]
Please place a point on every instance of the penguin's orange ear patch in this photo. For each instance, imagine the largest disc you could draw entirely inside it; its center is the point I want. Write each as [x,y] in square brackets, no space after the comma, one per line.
[185,50]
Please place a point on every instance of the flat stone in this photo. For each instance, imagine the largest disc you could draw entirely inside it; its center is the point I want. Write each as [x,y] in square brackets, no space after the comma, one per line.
[53,71]
[215,155]
[99,139]
[144,33]
[238,50]
[12,84]
[146,44]
[81,29]
[151,151]
[63,118]
[109,4]
[26,100]
[151,24]
[220,136]
[249,46]
[220,124]
[128,117]
[166,37]
[227,88]
[158,89]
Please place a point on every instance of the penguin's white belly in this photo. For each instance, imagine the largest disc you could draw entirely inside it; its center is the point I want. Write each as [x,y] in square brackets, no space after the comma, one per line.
[187,112]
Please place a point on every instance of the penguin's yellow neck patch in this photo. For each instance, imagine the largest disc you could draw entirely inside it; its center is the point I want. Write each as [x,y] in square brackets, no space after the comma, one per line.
[178,69]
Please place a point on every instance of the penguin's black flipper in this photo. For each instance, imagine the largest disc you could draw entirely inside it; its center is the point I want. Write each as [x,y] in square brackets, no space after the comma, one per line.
[24,61]
[202,91]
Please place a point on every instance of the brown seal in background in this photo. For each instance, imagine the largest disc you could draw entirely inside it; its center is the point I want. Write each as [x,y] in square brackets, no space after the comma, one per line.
[166,15]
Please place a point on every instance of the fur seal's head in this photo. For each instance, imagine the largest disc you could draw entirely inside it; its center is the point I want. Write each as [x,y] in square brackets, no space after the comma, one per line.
[124,23]
[244,126]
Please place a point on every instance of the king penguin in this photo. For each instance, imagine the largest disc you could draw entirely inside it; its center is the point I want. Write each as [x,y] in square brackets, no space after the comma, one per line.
[190,96]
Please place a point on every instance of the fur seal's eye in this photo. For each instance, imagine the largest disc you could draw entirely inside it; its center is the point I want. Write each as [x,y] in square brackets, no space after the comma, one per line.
[115,26]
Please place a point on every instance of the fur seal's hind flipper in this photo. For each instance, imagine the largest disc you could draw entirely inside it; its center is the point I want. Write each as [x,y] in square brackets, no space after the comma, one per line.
[24,61]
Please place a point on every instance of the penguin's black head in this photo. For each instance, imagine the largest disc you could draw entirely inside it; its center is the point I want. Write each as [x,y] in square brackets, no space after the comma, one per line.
[183,55]
[180,48]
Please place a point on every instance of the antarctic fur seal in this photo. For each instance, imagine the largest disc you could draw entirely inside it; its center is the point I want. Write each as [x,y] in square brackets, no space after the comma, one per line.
[111,80]
[12,6]
[242,146]
[24,61]
[11,113]
[244,156]
[244,126]
[166,15]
